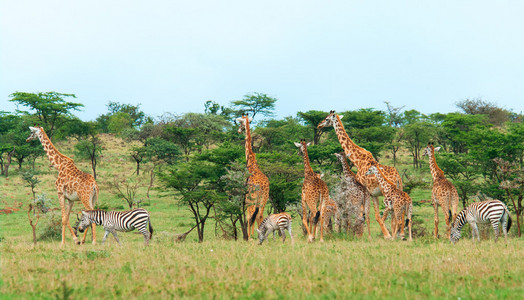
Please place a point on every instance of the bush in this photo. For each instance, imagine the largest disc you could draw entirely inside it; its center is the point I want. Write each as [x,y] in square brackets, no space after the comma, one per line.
[52,228]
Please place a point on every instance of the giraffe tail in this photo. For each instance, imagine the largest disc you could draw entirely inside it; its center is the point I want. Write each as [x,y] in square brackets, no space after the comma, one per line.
[317,216]
[254,216]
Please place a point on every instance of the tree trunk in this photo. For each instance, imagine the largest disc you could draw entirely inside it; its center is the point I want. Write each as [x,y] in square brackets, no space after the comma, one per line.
[93,166]
[7,163]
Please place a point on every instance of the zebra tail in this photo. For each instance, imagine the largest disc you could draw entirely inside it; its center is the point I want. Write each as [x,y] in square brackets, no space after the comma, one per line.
[150,229]
[509,221]
[254,216]
[317,216]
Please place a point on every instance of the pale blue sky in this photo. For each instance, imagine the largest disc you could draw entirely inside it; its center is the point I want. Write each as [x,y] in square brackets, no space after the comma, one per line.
[172,56]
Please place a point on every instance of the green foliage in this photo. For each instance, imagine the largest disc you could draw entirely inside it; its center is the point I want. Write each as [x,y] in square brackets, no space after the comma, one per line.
[255,103]
[121,116]
[48,109]
[312,118]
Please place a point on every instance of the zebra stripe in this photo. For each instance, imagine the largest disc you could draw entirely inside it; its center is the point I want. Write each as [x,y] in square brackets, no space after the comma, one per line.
[491,211]
[281,221]
[122,221]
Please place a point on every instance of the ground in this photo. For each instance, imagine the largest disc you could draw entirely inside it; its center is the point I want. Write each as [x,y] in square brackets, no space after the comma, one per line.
[342,267]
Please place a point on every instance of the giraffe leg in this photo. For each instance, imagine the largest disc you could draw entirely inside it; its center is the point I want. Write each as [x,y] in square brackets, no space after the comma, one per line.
[435,206]
[402,223]
[366,211]
[447,218]
[65,222]
[379,219]
[305,222]
[250,227]
[321,226]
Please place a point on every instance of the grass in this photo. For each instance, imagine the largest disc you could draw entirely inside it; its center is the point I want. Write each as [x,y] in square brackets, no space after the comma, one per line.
[342,267]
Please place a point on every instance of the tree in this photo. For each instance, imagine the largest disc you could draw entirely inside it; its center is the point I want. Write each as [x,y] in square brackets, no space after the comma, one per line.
[255,103]
[496,115]
[121,116]
[311,118]
[193,180]
[89,146]
[367,127]
[416,135]
[49,109]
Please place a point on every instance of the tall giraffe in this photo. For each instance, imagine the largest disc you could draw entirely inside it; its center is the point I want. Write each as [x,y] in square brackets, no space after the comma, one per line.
[395,199]
[315,194]
[363,160]
[443,193]
[258,183]
[71,184]
[358,195]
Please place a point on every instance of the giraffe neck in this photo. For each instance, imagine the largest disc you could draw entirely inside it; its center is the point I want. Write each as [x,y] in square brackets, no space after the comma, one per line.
[251,159]
[385,184]
[345,167]
[308,171]
[436,172]
[353,152]
[56,158]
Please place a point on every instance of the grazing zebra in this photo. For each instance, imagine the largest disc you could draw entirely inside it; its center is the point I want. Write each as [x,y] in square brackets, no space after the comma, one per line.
[491,211]
[122,221]
[273,222]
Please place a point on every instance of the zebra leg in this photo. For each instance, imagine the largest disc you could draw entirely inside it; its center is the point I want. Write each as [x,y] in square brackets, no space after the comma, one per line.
[283,234]
[106,233]
[495,224]
[504,224]
[474,231]
[116,237]
[290,234]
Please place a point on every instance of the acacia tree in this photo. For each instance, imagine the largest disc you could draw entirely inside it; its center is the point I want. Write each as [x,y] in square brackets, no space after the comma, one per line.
[48,109]
[254,104]
[311,118]
[193,180]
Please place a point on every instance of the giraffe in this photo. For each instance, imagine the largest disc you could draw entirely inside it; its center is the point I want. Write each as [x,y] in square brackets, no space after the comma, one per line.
[395,199]
[363,160]
[71,184]
[258,183]
[358,195]
[314,192]
[330,210]
[443,193]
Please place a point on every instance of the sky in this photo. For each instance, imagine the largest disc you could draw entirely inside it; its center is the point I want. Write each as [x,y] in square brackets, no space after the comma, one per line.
[173,56]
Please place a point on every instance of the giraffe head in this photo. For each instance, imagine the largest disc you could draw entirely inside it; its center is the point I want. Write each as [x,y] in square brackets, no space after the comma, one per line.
[302,146]
[372,170]
[330,120]
[243,123]
[430,149]
[340,156]
[36,132]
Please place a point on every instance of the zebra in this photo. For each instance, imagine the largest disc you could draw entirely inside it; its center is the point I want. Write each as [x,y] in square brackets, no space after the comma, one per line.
[491,211]
[122,221]
[273,222]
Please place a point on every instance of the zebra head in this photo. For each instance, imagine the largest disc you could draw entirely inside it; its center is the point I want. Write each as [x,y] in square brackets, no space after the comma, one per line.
[261,234]
[454,235]
[85,221]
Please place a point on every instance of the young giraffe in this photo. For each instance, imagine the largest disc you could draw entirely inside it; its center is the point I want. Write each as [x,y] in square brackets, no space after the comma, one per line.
[258,183]
[443,193]
[71,184]
[358,193]
[314,192]
[363,160]
[395,199]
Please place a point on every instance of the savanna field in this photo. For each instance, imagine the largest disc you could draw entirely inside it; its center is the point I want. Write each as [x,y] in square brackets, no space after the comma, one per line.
[341,267]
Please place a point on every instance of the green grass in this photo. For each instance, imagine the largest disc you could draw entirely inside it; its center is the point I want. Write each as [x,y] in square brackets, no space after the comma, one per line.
[342,267]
